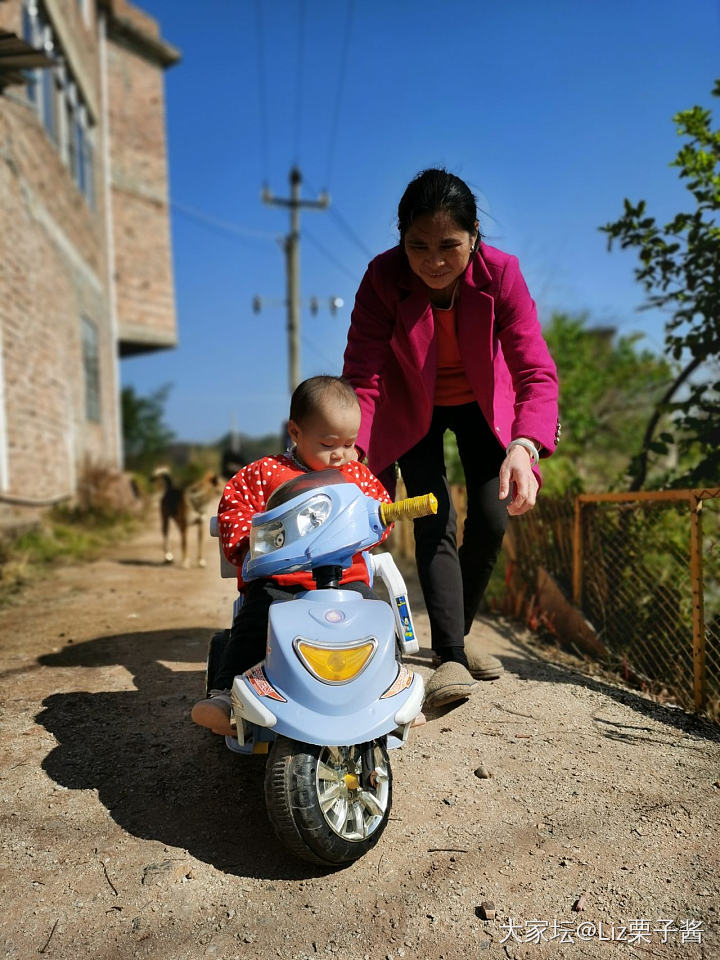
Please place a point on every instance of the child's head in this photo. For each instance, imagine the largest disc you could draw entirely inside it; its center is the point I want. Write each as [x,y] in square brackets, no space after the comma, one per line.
[324,422]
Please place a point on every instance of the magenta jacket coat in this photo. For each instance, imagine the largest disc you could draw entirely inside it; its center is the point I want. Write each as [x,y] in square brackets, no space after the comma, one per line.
[391,355]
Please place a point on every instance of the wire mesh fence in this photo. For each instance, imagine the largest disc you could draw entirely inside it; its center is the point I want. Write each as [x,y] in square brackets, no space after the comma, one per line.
[645,569]
[711,602]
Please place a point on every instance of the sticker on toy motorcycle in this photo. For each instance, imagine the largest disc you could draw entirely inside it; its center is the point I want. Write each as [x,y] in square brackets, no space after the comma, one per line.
[262,686]
[407,624]
[402,682]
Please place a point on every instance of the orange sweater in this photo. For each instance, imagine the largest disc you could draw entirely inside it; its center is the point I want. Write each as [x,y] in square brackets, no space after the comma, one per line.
[451,384]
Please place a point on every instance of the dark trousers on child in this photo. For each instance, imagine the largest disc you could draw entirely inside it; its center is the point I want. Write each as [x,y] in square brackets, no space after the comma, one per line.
[248,635]
[453,581]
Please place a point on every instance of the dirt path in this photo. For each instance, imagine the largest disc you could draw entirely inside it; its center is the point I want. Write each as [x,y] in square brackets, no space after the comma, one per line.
[127,832]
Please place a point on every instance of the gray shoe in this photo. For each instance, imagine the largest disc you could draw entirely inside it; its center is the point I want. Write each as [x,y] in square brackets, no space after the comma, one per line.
[482,666]
[214,713]
[451,681]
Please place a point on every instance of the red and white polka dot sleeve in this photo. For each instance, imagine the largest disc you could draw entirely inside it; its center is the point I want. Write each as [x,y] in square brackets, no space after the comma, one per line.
[370,486]
[244,495]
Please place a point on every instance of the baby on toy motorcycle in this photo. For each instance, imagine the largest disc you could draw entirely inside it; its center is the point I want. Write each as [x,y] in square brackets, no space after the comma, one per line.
[323,426]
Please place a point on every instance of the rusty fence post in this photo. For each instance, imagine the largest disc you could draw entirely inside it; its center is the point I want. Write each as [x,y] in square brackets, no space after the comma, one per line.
[698,612]
[577,571]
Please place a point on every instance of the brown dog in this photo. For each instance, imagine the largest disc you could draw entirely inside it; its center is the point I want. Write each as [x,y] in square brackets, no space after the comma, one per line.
[186,506]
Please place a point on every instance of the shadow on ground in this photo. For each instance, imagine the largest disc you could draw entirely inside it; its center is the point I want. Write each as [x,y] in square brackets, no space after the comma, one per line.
[527,664]
[159,776]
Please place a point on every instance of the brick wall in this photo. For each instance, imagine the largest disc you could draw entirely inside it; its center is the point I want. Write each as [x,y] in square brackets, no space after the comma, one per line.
[52,273]
[143,269]
[54,254]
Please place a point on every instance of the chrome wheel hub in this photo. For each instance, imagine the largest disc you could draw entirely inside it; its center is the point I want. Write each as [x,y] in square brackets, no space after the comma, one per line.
[350,811]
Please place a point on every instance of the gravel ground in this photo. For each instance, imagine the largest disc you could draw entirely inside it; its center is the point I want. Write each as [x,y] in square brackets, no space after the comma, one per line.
[128,832]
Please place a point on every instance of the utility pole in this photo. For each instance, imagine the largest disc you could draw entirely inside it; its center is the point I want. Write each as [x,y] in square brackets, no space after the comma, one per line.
[292,260]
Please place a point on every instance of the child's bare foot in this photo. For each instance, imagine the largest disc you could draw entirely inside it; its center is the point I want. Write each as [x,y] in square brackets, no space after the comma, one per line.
[418,721]
[214,713]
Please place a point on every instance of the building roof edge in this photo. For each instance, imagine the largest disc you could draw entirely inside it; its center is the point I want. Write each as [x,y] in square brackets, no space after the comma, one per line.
[152,47]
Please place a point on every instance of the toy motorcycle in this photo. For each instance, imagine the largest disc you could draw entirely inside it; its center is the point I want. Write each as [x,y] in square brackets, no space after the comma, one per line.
[332,695]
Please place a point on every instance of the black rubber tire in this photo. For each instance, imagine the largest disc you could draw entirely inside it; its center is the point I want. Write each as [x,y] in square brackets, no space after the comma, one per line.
[216,647]
[294,810]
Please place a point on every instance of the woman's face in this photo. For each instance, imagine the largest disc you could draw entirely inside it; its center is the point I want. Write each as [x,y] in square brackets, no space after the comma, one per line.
[438,249]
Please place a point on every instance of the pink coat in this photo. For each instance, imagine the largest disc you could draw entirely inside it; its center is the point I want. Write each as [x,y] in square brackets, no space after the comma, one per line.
[391,355]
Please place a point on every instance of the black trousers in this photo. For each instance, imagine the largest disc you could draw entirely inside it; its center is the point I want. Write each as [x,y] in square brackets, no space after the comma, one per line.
[248,635]
[453,582]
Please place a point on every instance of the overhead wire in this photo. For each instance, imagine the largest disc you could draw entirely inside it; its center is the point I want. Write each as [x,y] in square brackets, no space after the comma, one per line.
[345,226]
[262,91]
[335,120]
[331,364]
[347,229]
[235,229]
[329,256]
[299,78]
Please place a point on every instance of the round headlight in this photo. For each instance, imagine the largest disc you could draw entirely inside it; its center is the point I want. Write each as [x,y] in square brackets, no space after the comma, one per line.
[266,538]
[313,514]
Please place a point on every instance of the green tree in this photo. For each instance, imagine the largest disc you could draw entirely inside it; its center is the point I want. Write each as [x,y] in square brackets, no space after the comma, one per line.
[680,271]
[145,434]
[608,387]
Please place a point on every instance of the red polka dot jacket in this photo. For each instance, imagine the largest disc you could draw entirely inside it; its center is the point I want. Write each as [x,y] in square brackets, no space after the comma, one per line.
[247,493]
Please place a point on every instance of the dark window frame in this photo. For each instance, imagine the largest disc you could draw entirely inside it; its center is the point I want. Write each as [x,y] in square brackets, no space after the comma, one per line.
[91,368]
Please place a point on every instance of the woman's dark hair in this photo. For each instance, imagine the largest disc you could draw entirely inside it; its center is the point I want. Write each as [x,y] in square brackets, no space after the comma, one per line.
[434,190]
[313,393]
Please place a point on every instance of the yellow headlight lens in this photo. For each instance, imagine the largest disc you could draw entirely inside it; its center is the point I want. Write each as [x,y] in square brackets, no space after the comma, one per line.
[333,664]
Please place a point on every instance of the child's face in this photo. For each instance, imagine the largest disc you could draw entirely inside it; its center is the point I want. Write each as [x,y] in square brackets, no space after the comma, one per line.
[327,437]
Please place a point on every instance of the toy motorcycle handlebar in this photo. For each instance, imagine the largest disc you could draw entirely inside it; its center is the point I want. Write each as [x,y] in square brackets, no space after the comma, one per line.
[408,509]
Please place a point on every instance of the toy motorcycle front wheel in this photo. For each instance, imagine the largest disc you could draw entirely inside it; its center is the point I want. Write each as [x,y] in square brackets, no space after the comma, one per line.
[317,804]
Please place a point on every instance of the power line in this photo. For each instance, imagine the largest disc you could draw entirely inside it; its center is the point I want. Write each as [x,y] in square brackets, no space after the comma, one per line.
[262,92]
[346,228]
[299,78]
[331,364]
[339,91]
[351,233]
[224,226]
[329,256]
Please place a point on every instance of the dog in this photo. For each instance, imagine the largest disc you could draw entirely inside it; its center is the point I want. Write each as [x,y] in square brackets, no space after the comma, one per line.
[186,506]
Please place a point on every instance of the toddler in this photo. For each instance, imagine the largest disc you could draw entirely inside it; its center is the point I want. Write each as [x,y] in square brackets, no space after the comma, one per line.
[323,427]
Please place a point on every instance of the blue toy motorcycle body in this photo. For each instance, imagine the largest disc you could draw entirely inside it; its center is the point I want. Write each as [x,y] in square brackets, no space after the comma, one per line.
[332,695]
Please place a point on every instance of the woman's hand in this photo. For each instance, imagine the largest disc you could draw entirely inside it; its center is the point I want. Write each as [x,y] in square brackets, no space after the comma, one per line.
[516,474]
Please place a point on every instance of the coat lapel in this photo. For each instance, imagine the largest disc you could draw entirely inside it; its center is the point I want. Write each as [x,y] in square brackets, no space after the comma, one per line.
[417,327]
[416,334]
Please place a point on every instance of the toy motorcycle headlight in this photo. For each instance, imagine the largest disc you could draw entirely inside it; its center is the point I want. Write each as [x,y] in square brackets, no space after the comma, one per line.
[335,664]
[266,538]
[313,514]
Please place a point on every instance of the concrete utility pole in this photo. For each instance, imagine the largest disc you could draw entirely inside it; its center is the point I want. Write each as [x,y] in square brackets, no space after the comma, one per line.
[292,255]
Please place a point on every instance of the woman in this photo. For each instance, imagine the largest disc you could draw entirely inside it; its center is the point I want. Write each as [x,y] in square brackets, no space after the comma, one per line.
[444,335]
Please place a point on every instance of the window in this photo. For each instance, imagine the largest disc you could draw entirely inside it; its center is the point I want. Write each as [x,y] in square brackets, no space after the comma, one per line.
[30,29]
[84,8]
[59,103]
[50,95]
[91,367]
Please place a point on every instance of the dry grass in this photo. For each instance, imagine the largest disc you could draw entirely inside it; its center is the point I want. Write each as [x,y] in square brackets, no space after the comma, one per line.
[107,508]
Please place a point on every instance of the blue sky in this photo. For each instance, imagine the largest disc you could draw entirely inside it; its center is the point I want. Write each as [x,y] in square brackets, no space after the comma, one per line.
[552,111]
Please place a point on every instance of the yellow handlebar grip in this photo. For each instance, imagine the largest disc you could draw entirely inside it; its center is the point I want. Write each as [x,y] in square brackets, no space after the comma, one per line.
[408,509]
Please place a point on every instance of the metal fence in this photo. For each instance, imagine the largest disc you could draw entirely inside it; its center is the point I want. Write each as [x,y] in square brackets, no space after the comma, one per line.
[645,569]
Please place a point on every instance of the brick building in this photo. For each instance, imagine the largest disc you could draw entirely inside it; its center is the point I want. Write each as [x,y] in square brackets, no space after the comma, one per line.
[85,264]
